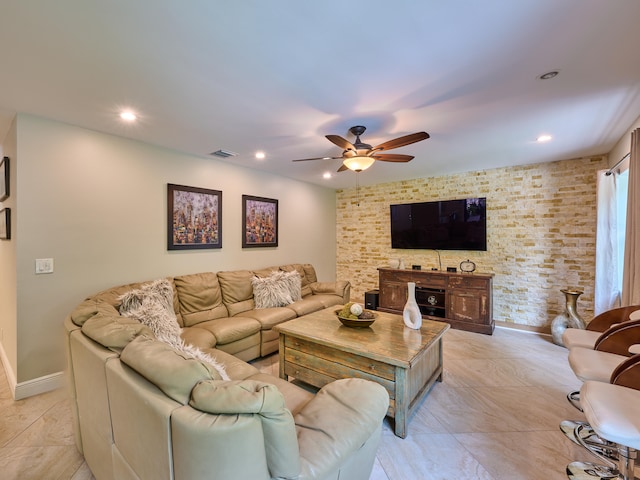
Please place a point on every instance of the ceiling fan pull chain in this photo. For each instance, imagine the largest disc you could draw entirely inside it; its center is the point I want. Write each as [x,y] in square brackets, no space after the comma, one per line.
[357,189]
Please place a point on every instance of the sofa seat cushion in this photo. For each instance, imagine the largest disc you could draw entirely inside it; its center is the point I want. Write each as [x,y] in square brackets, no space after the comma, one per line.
[200,298]
[228,330]
[313,303]
[198,337]
[269,317]
[170,370]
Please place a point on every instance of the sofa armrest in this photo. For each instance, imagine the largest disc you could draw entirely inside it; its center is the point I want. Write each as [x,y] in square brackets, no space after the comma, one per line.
[263,400]
[341,288]
[337,422]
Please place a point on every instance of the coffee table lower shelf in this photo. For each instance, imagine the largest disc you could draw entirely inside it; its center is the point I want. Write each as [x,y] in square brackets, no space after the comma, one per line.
[407,385]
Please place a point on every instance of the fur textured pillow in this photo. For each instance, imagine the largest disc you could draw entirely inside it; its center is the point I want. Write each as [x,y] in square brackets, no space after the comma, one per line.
[277,290]
[294,283]
[152,305]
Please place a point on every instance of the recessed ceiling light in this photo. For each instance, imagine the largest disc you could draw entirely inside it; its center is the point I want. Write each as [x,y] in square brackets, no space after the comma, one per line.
[128,116]
[549,75]
[260,155]
[326,175]
[543,138]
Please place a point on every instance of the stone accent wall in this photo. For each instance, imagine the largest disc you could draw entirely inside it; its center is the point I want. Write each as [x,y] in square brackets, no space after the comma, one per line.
[541,222]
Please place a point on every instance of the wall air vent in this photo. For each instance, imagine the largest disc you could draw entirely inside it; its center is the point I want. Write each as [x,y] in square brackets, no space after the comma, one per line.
[223,153]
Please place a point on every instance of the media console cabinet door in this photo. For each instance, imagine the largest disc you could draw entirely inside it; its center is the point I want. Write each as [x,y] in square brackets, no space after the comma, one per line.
[468,306]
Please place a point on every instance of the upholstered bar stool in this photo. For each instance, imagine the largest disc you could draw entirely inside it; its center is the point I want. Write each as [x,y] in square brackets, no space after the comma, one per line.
[613,411]
[611,331]
[589,364]
[602,367]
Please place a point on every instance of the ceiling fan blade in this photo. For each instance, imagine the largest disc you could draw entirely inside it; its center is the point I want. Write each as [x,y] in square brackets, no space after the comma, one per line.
[341,142]
[402,141]
[342,168]
[392,157]
[316,158]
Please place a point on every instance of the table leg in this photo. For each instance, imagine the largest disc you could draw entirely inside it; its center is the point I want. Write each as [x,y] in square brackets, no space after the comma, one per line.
[281,358]
[402,403]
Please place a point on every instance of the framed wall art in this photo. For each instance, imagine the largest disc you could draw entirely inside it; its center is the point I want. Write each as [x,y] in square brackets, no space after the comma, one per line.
[259,222]
[194,218]
[5,224]
[4,179]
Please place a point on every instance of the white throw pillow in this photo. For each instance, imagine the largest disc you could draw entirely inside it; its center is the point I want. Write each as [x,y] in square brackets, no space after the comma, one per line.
[273,291]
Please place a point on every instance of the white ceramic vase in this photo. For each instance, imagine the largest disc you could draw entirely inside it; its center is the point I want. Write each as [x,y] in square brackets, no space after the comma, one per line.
[411,312]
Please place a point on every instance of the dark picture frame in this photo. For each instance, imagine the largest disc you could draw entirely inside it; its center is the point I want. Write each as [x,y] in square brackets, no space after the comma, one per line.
[259,222]
[5,224]
[194,218]
[4,179]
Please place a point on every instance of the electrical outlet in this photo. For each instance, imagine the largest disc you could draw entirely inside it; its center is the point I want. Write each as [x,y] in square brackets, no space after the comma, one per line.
[44,265]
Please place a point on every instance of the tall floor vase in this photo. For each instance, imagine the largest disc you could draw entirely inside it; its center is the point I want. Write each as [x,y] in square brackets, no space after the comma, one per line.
[411,312]
[569,318]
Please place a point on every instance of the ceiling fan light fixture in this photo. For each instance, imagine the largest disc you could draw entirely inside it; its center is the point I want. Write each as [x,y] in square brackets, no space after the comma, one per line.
[358,163]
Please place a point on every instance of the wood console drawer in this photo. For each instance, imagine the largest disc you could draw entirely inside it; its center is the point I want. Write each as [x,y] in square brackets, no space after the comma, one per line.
[467,282]
[433,281]
[400,276]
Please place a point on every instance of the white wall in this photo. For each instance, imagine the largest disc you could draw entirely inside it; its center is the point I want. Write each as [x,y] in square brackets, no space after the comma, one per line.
[97,205]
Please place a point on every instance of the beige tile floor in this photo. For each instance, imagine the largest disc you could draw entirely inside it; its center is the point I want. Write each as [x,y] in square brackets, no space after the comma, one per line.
[494,417]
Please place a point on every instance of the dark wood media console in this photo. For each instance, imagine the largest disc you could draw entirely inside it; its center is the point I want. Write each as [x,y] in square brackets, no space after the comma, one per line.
[464,300]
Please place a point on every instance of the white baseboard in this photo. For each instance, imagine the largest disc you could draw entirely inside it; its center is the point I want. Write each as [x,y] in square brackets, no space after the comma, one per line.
[30,387]
[11,377]
[39,385]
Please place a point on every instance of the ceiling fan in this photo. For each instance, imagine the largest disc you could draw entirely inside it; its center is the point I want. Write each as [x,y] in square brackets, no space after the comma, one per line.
[359,156]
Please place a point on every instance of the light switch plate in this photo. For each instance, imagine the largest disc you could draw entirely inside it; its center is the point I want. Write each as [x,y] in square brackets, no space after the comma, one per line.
[44,265]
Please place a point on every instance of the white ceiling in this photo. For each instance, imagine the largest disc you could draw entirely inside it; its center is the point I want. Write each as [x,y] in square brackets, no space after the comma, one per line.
[278,75]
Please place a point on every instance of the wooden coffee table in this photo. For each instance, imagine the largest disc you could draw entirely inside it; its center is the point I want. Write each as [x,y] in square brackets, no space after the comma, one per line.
[317,349]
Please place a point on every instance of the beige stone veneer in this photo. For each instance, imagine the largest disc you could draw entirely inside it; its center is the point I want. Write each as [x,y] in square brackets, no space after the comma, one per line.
[541,222]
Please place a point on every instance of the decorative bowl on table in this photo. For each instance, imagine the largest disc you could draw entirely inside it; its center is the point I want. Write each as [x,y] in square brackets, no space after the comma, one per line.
[354,316]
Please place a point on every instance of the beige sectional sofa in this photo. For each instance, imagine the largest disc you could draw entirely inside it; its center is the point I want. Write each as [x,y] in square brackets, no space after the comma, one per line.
[146,410]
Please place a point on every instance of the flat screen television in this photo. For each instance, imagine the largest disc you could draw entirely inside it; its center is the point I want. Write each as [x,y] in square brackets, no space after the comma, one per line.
[442,225]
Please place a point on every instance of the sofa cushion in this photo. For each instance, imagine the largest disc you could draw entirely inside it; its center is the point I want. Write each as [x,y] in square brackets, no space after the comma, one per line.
[237,291]
[270,317]
[114,331]
[230,329]
[89,308]
[313,303]
[170,370]
[263,399]
[200,298]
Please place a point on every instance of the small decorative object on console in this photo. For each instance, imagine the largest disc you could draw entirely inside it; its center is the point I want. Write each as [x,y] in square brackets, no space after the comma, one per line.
[467,266]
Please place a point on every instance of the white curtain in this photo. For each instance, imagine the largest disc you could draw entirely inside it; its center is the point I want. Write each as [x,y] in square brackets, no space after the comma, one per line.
[607,288]
[631,272]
